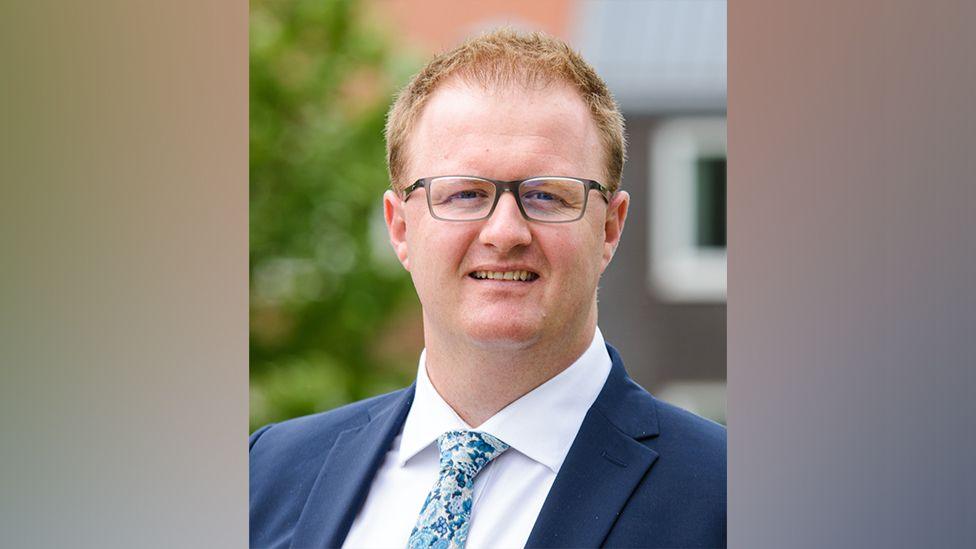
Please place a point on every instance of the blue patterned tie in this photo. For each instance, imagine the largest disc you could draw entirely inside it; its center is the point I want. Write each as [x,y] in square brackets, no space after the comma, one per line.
[445,516]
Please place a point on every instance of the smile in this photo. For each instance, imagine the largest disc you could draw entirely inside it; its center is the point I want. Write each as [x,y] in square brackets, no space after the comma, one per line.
[521,276]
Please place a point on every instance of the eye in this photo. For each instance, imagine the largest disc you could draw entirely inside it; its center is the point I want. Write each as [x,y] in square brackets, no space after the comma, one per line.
[540,195]
[465,195]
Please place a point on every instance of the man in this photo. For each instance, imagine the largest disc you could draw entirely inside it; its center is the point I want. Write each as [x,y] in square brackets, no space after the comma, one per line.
[522,429]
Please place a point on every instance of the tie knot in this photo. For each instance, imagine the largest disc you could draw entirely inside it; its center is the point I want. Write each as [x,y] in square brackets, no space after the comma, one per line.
[468,451]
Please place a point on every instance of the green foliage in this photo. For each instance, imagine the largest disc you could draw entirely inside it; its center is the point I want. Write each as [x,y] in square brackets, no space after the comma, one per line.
[324,285]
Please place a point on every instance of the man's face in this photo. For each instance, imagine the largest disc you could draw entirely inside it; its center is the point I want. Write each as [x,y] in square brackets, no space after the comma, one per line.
[505,134]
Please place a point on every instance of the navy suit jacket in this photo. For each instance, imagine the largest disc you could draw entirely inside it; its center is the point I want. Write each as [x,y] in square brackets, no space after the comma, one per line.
[641,473]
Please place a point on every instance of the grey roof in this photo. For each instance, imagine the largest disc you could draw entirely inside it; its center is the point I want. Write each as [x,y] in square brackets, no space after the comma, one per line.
[657,55]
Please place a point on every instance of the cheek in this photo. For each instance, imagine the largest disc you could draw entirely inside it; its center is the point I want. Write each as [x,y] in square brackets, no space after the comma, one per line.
[595,254]
[579,259]
[436,250]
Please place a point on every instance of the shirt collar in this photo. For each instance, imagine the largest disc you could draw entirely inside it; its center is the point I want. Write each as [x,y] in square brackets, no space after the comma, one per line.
[542,424]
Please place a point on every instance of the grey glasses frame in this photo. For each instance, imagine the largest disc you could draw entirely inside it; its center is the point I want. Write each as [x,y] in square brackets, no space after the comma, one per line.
[512,187]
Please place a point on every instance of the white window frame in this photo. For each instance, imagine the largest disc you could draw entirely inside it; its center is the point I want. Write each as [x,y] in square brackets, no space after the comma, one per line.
[680,270]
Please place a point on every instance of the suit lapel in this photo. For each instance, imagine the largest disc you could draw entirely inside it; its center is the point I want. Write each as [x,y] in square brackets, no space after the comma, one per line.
[346,476]
[604,466]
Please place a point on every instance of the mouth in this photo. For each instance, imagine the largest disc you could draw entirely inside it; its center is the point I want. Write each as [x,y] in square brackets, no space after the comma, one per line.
[511,276]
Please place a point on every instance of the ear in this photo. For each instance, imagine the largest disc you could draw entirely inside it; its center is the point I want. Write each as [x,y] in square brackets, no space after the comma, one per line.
[614,226]
[396,226]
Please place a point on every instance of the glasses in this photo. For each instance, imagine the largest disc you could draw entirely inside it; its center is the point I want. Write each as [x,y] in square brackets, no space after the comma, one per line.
[544,199]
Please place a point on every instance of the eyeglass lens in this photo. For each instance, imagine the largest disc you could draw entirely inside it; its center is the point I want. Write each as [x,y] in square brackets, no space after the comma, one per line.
[543,199]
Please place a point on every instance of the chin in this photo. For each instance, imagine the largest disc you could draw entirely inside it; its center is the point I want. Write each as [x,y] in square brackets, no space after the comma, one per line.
[507,335]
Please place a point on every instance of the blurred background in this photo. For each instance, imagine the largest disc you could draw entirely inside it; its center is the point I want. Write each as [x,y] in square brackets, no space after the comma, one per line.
[333,316]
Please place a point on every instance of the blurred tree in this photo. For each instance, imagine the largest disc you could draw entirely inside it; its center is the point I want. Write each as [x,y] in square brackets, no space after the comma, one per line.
[323,287]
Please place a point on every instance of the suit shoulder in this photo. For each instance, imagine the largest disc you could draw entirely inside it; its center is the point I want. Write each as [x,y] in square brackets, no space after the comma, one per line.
[696,441]
[689,424]
[323,427]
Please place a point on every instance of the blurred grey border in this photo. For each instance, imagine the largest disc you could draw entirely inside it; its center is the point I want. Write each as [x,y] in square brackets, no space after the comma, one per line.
[853,256]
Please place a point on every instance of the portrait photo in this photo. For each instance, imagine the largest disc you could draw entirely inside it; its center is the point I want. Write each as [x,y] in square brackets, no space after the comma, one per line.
[487,274]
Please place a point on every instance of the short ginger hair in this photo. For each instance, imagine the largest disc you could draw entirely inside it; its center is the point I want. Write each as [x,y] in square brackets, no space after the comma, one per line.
[505,57]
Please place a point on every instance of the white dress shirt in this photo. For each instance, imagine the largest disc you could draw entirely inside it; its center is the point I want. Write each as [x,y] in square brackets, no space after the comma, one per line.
[508,493]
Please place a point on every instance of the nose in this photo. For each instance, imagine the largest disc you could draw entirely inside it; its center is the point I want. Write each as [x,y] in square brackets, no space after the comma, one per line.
[506,229]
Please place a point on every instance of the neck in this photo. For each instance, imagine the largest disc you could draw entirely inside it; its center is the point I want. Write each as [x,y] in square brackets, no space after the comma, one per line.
[477,381]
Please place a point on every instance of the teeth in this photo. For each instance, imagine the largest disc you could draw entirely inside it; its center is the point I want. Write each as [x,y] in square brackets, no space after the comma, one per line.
[504,275]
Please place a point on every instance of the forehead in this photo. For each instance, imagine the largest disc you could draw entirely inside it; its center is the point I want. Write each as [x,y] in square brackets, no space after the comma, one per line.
[505,132]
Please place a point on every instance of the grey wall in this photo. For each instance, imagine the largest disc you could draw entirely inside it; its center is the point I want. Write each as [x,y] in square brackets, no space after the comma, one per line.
[659,341]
